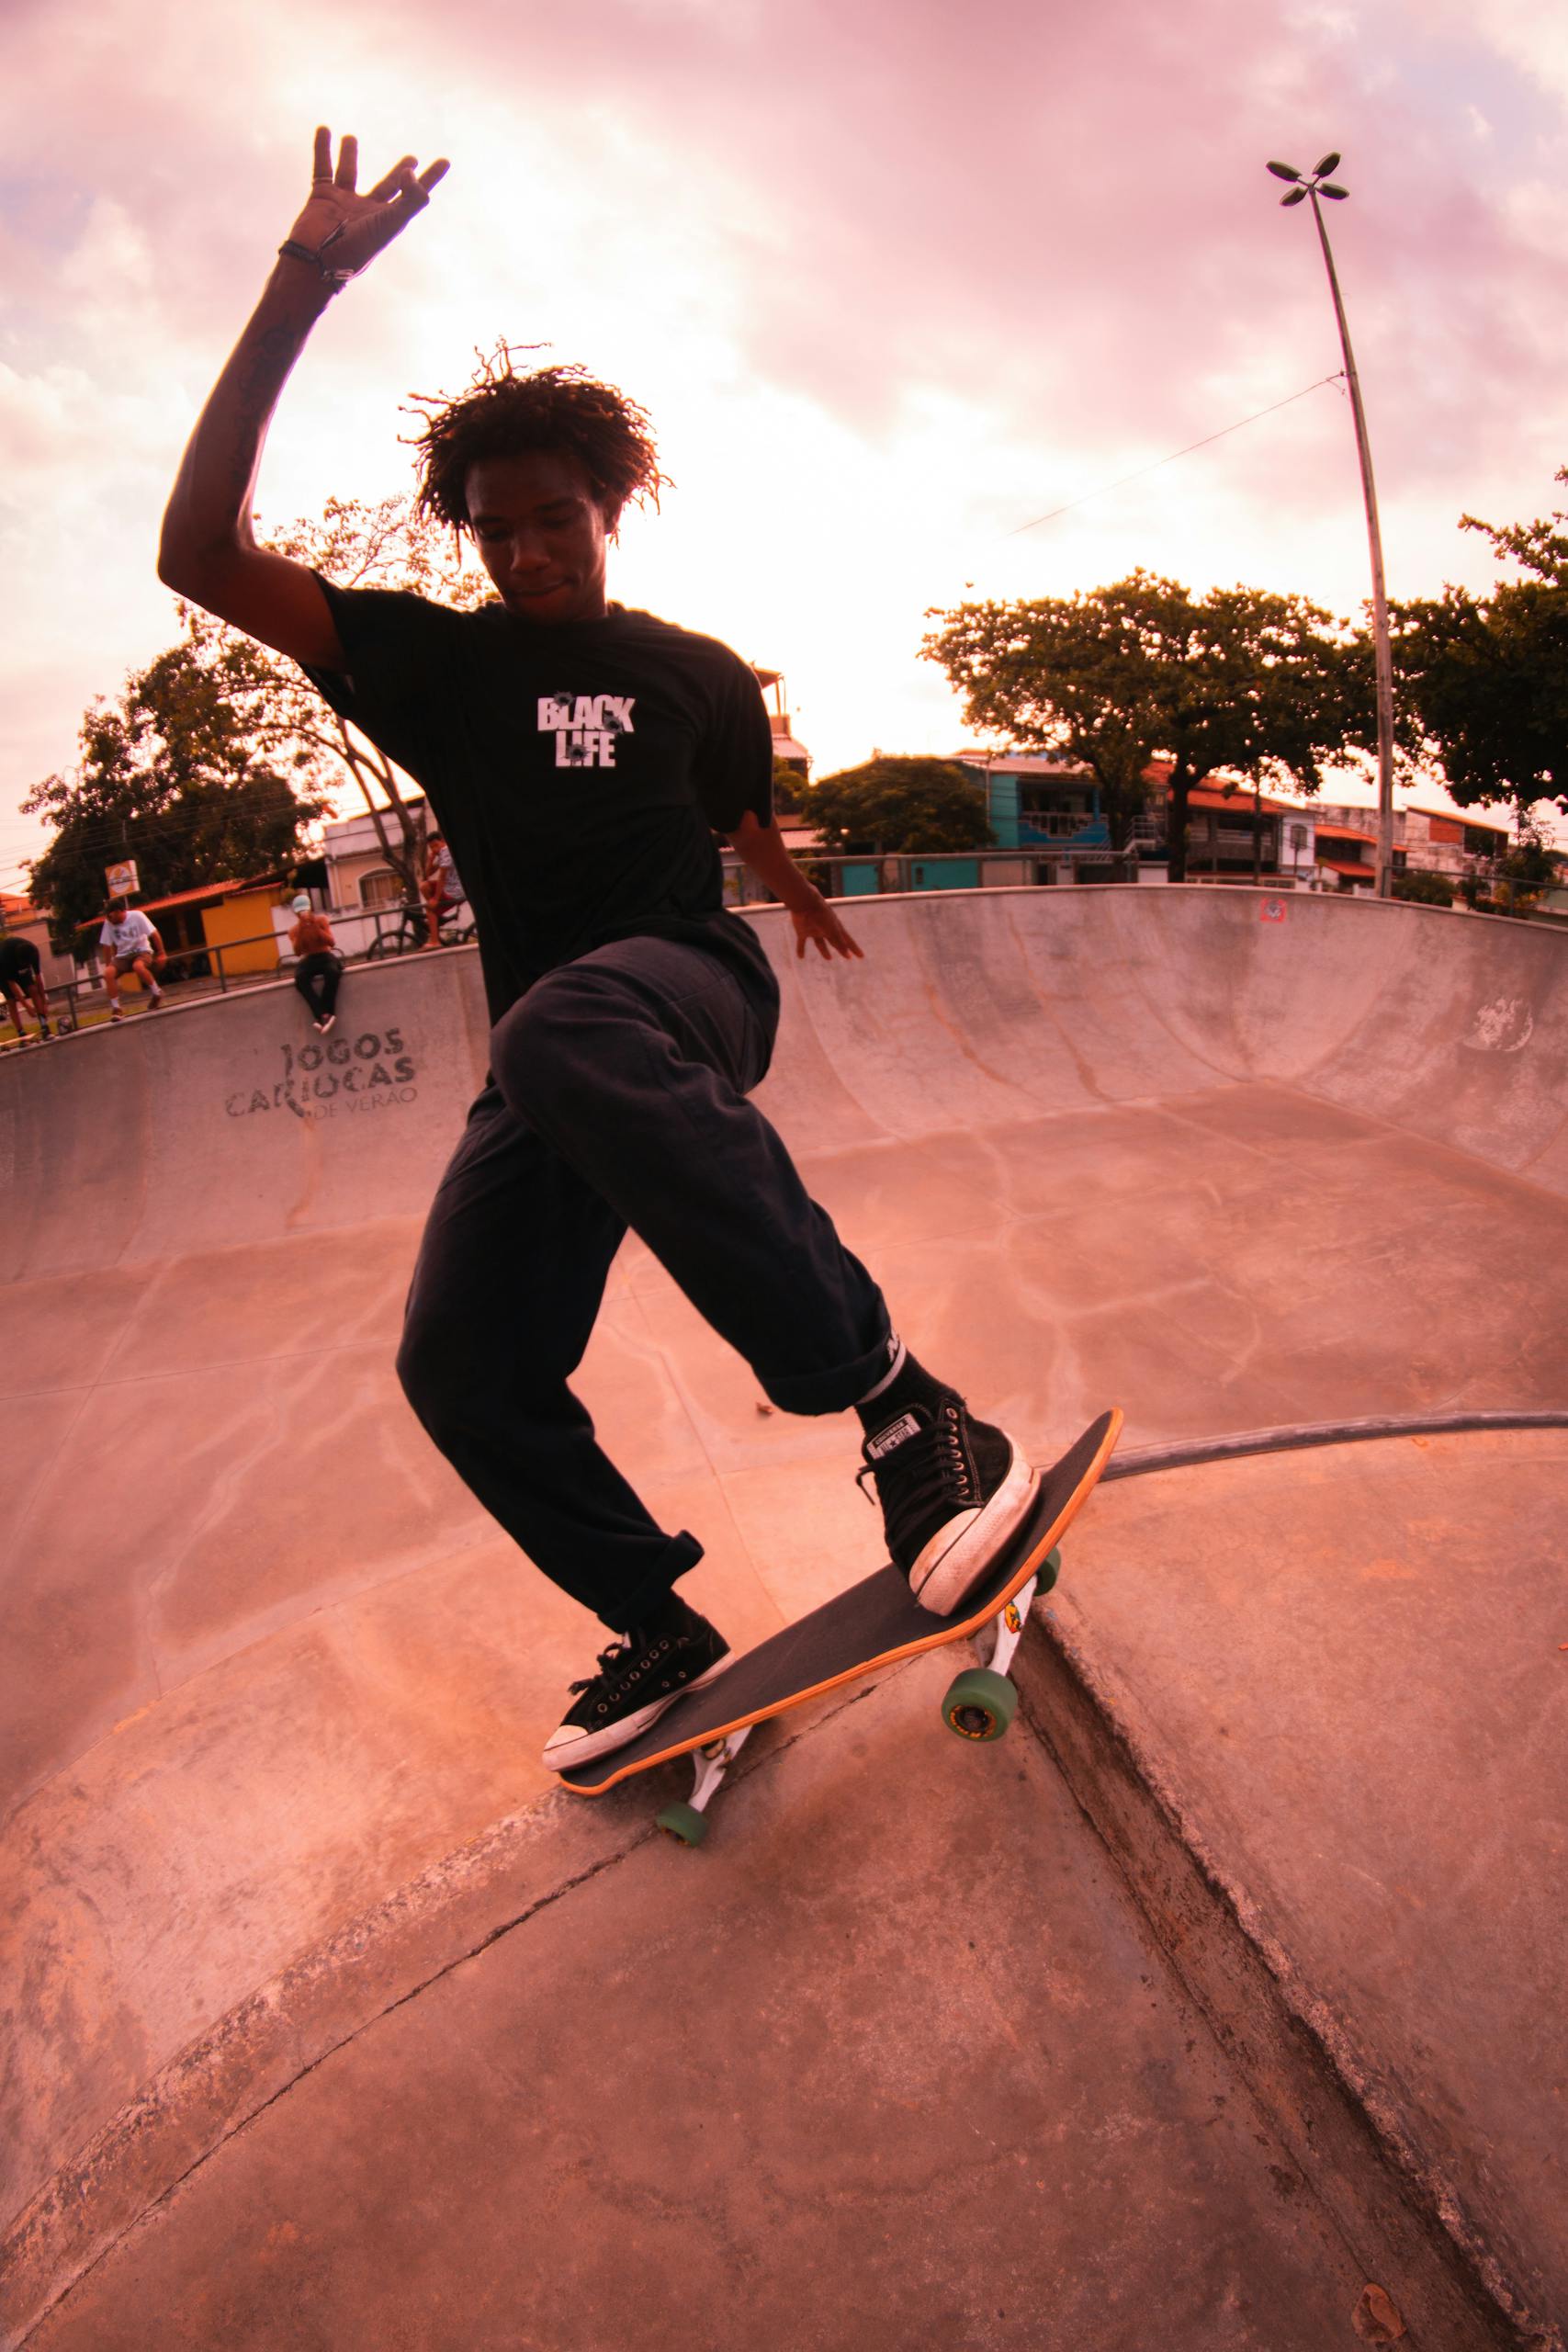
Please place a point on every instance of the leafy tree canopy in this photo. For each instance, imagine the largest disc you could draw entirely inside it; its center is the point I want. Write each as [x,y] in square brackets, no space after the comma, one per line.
[1426,890]
[172,776]
[1486,678]
[1251,684]
[790,788]
[221,712]
[890,806]
[356,545]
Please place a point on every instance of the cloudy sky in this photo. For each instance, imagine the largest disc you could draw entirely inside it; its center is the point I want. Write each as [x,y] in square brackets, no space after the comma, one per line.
[892,281]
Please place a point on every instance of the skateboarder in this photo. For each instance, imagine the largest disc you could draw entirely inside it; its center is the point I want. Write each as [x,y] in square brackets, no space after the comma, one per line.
[579,759]
[21,981]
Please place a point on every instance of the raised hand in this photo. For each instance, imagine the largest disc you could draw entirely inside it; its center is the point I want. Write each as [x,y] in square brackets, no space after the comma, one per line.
[820,927]
[366,222]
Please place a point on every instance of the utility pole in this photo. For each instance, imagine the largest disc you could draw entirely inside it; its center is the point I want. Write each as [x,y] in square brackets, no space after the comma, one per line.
[1309,187]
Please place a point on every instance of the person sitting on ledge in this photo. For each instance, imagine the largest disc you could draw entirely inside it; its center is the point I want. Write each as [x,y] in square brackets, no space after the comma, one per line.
[134,945]
[319,968]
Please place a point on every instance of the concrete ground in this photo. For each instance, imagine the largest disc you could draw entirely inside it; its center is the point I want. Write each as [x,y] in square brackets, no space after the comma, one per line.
[324,2008]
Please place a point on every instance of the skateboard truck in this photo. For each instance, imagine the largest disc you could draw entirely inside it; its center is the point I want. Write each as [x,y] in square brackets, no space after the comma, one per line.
[981,1703]
[979,1706]
[688,1822]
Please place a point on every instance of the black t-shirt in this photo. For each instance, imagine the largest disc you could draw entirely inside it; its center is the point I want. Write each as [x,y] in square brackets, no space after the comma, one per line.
[578,773]
[19,958]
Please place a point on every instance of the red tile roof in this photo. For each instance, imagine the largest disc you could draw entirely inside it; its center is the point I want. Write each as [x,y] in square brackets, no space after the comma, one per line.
[208,894]
[1239,801]
[207,890]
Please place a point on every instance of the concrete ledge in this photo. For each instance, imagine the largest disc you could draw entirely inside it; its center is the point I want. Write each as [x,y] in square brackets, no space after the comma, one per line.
[1320,2092]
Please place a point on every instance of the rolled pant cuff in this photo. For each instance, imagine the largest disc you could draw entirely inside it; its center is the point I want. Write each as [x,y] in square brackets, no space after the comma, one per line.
[681,1552]
[829,1392]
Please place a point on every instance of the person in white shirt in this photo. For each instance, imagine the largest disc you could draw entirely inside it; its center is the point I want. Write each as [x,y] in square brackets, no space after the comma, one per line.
[131,944]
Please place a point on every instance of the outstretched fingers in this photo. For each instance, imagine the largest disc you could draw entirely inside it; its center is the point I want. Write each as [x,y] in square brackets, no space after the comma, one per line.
[402,189]
[413,194]
[389,183]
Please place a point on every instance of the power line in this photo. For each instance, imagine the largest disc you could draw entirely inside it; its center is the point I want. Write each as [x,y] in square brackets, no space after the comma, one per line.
[1139,471]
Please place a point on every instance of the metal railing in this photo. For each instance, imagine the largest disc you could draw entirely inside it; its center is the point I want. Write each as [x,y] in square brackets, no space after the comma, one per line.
[398,929]
[188,974]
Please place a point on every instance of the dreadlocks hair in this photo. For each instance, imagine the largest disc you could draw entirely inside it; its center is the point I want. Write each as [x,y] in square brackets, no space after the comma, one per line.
[504,413]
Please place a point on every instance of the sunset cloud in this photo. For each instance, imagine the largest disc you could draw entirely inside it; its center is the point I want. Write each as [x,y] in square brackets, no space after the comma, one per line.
[892,282]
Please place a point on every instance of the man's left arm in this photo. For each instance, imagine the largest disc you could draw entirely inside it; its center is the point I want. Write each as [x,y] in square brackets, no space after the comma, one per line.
[762,853]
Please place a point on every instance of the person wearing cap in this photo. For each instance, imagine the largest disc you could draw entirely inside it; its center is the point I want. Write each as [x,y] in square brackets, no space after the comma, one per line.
[132,944]
[319,968]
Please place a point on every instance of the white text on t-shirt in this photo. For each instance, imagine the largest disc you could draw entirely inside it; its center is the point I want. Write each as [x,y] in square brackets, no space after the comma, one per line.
[127,938]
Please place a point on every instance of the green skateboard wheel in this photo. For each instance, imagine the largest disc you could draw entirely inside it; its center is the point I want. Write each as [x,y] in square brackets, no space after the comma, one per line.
[980,1704]
[684,1823]
[1045,1574]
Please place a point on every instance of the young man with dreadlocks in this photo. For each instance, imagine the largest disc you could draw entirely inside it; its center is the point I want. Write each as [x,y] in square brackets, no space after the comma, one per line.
[579,759]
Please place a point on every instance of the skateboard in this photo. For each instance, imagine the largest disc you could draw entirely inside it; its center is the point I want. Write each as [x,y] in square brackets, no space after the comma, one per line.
[872,1624]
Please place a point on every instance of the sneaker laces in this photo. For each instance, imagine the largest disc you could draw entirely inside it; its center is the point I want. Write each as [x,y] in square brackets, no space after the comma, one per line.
[925,1474]
[608,1659]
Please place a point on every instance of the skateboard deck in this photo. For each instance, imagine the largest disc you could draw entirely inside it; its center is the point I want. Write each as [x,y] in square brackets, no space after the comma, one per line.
[874,1625]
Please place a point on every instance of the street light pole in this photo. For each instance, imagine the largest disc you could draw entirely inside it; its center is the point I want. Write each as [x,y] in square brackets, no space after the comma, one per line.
[1309,187]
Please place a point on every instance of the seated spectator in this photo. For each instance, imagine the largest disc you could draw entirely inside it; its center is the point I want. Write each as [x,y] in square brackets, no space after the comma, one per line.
[319,968]
[132,944]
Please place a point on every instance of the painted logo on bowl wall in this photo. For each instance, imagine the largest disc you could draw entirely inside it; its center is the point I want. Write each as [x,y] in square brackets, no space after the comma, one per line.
[332,1077]
[1503,1026]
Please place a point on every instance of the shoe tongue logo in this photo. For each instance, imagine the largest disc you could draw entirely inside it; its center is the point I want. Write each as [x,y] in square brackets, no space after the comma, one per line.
[888,1439]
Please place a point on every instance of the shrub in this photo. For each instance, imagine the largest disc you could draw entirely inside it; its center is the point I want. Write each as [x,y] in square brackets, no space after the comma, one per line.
[1429,889]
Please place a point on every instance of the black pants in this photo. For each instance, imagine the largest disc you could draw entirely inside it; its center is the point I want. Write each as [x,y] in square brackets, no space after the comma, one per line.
[316,977]
[616,1100]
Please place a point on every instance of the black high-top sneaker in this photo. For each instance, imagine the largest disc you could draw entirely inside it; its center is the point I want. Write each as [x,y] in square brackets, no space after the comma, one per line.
[951,1490]
[640,1675]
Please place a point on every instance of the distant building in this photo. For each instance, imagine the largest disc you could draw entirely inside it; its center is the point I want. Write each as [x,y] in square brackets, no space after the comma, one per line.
[1346,850]
[1049,808]
[359,877]
[1436,841]
[793,755]
[1426,841]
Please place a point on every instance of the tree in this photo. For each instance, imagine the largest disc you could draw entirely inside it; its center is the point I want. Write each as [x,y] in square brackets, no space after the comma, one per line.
[1486,678]
[1254,685]
[219,708]
[790,788]
[890,804]
[1427,889]
[357,546]
[173,777]
[1520,876]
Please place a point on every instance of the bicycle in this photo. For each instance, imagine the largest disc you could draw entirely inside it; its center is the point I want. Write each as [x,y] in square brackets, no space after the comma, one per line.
[413,930]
